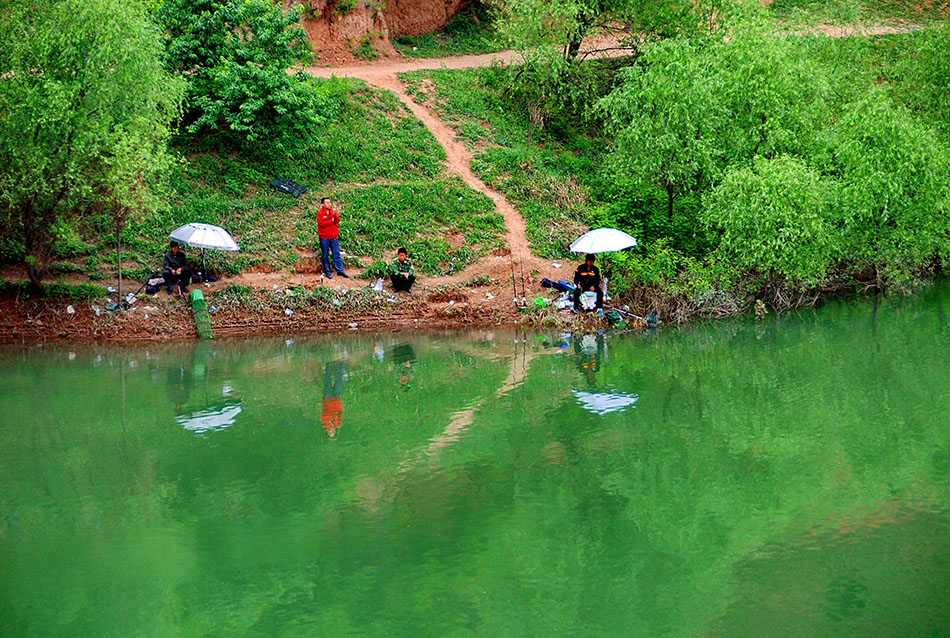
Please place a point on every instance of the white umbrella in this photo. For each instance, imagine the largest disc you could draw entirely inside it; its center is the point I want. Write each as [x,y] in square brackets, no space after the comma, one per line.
[603,240]
[602,403]
[205,236]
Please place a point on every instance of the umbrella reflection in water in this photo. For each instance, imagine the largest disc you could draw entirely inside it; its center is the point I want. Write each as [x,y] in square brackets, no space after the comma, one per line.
[209,419]
[602,403]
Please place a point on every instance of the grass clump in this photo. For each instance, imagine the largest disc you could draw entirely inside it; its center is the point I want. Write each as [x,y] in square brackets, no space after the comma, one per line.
[364,48]
[53,290]
[841,12]
[321,298]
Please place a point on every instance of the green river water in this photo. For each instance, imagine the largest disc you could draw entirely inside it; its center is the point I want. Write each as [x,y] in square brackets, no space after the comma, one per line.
[789,478]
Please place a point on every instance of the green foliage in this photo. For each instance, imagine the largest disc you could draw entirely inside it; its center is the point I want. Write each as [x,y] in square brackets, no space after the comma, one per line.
[469,32]
[660,266]
[546,30]
[321,298]
[775,217]
[365,50]
[236,295]
[851,12]
[928,71]
[893,194]
[688,109]
[84,112]
[234,55]
[342,7]
[66,267]
[669,120]
[54,290]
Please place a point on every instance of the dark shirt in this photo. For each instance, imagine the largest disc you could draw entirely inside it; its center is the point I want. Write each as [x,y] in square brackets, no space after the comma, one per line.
[585,278]
[174,261]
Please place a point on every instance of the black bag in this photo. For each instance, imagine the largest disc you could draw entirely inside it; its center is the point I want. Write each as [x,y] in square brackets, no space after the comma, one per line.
[153,285]
[287,186]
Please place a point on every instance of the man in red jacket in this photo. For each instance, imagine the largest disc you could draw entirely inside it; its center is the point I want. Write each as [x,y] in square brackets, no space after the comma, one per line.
[328,230]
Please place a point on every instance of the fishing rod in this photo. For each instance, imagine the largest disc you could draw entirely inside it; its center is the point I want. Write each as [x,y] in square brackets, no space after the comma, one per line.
[514,287]
[624,312]
[524,296]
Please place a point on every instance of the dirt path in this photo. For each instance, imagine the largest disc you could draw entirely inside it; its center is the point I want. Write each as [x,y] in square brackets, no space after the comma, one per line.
[861,30]
[519,262]
[458,158]
[384,67]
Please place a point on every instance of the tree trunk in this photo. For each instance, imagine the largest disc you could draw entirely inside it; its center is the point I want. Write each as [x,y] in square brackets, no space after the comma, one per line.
[33,243]
[118,253]
[35,272]
[669,205]
[573,47]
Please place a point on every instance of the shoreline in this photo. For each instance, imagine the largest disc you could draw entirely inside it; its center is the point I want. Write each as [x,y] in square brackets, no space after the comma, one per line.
[160,319]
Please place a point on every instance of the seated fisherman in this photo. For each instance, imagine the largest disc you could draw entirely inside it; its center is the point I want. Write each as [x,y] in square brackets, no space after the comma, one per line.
[402,276]
[587,279]
[175,268]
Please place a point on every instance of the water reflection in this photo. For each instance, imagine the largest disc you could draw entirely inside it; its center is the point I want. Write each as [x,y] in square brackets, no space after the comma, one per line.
[404,356]
[602,403]
[331,409]
[590,350]
[489,484]
[215,418]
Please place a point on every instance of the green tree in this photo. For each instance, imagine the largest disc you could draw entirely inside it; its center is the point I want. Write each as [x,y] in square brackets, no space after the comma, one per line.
[931,69]
[690,108]
[557,28]
[774,217]
[668,119]
[235,55]
[894,198]
[85,107]
[777,97]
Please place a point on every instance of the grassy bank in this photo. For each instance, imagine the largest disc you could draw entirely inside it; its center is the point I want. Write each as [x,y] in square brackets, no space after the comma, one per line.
[379,164]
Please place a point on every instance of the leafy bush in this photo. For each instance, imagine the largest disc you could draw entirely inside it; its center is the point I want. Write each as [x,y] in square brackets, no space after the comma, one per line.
[364,49]
[775,217]
[893,194]
[54,289]
[85,108]
[234,55]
